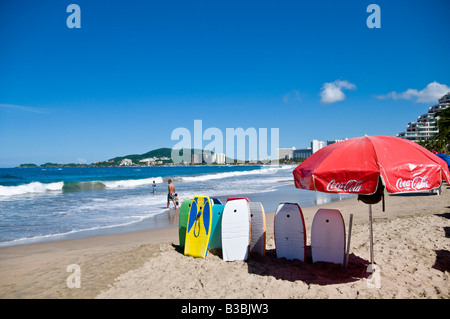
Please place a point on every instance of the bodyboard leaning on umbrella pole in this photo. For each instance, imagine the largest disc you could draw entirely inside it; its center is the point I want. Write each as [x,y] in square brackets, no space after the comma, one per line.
[235,230]
[198,229]
[182,220]
[258,228]
[328,236]
[290,232]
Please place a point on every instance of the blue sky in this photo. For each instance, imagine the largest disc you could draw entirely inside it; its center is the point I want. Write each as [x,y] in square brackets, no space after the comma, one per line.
[137,70]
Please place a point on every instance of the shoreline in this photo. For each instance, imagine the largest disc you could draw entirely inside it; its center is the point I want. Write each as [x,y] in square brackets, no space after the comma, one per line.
[168,218]
[110,264]
[146,217]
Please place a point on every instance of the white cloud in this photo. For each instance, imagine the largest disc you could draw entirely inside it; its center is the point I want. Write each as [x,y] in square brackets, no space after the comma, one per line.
[431,93]
[331,92]
[292,96]
[22,108]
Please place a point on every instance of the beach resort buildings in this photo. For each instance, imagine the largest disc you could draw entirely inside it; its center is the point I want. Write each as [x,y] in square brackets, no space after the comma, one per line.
[426,124]
[218,158]
[126,162]
[300,153]
[196,158]
[286,153]
[304,153]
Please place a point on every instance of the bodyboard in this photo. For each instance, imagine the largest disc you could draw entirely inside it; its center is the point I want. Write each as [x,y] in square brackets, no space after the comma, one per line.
[235,230]
[215,240]
[182,220]
[235,198]
[328,236]
[198,229]
[258,228]
[215,201]
[290,232]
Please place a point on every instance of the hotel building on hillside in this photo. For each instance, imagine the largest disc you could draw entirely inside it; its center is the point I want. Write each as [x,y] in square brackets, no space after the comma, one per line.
[426,124]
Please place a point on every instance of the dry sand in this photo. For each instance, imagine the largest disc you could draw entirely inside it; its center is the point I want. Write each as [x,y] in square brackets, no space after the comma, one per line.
[411,247]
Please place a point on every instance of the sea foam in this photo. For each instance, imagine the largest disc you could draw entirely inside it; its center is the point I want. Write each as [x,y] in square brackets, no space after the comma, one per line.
[132,182]
[207,177]
[31,188]
[41,188]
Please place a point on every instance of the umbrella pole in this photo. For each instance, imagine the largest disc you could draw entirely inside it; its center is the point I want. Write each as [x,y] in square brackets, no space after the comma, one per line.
[371,236]
[348,243]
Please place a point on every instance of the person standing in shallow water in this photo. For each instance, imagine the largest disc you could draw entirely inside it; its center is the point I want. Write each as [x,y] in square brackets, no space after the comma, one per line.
[154,187]
[171,194]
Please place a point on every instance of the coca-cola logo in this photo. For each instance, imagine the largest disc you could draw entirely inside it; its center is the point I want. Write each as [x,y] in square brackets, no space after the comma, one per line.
[351,186]
[417,183]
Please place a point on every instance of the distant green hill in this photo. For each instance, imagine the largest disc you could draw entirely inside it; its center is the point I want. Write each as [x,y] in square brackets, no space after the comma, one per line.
[164,154]
[161,154]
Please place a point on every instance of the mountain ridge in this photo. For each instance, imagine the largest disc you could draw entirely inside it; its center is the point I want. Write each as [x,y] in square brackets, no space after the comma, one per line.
[160,156]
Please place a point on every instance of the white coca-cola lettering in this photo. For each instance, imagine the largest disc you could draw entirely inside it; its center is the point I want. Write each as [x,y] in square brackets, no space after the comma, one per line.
[416,183]
[351,186]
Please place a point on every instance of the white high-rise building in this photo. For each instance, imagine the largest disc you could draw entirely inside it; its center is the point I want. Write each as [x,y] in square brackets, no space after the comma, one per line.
[220,158]
[317,145]
[196,158]
[426,125]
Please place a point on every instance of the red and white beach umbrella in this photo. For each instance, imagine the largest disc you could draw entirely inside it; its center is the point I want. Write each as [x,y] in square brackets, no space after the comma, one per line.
[355,166]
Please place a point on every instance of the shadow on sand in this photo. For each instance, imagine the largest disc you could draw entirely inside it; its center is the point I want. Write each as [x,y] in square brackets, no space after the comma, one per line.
[444,215]
[320,273]
[442,262]
[413,194]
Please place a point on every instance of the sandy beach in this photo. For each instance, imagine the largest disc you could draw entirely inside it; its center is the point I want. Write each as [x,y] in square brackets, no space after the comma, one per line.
[411,248]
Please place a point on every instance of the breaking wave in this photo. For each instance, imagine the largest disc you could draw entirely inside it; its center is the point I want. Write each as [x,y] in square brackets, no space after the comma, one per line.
[41,188]
[133,182]
[31,188]
[207,177]
[82,186]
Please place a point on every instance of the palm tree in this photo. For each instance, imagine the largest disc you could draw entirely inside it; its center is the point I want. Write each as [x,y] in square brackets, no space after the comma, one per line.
[444,128]
[432,143]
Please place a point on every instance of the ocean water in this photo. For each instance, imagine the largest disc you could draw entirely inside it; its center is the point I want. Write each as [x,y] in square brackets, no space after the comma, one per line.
[54,203]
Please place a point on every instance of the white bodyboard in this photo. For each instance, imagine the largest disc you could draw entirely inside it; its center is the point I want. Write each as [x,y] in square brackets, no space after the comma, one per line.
[328,236]
[235,230]
[290,232]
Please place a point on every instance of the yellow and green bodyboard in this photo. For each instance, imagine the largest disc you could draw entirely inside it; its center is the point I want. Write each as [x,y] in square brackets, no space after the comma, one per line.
[198,229]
